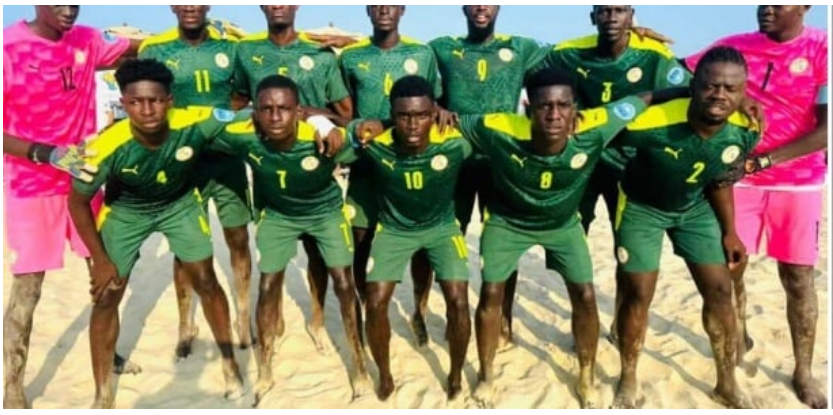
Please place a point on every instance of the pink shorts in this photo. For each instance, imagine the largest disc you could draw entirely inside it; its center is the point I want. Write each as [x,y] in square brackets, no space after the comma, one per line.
[789,219]
[37,229]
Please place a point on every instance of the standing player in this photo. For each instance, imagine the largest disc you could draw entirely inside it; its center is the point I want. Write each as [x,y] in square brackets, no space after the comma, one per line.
[611,65]
[49,69]
[782,198]
[304,198]
[688,154]
[203,66]
[283,51]
[416,169]
[147,163]
[370,68]
[483,73]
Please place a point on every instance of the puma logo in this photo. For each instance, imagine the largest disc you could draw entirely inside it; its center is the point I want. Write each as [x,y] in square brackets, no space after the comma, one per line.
[173,64]
[257,159]
[388,163]
[258,59]
[675,154]
[365,66]
[458,53]
[518,160]
[134,170]
[583,72]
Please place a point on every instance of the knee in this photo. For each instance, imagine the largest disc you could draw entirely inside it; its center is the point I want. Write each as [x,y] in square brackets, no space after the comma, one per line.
[491,297]
[376,305]
[204,280]
[720,294]
[237,239]
[458,303]
[343,287]
[797,280]
[585,296]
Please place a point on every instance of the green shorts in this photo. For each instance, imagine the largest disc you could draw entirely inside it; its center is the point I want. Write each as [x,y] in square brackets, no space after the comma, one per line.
[392,249]
[502,245]
[277,239]
[224,180]
[694,233]
[362,202]
[184,223]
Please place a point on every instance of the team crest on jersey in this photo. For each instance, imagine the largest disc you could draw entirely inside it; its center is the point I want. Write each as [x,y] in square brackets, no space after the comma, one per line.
[634,75]
[306,63]
[622,255]
[625,110]
[223,115]
[578,161]
[350,211]
[80,57]
[676,75]
[108,37]
[799,65]
[184,153]
[370,264]
[221,59]
[439,162]
[410,66]
[730,154]
[506,55]
[310,163]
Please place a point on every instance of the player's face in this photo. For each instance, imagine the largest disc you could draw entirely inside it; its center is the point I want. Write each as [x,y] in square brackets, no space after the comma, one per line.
[385,18]
[276,114]
[777,19]
[60,18]
[553,112]
[146,104]
[612,22]
[280,15]
[191,17]
[413,118]
[481,16]
[718,92]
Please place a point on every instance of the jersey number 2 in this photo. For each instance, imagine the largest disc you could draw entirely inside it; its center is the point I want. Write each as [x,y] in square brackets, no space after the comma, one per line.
[698,169]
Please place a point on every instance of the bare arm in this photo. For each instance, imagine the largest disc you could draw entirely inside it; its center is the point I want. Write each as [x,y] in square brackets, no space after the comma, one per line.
[103,274]
[15,146]
[344,110]
[721,199]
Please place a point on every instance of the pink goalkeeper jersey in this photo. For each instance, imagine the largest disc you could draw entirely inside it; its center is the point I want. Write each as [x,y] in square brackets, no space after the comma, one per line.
[785,78]
[49,97]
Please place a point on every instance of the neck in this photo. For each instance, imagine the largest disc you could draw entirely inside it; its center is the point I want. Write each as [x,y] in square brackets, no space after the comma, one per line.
[615,49]
[385,39]
[543,147]
[702,128]
[282,35]
[193,37]
[478,35]
[45,31]
[151,140]
[787,35]
[283,145]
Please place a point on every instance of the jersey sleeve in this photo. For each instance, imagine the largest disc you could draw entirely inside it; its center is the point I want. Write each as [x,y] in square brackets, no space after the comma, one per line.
[105,167]
[8,76]
[345,74]
[336,90]
[671,73]
[213,125]
[531,52]
[608,121]
[241,78]
[475,132]
[551,58]
[108,48]
[433,75]
[348,153]
[820,63]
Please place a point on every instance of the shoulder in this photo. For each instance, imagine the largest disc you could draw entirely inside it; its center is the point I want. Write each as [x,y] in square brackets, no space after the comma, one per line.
[110,141]
[166,37]
[586,42]
[451,135]
[180,119]
[254,39]
[354,48]
[305,132]
[513,125]
[444,41]
[662,116]
[650,45]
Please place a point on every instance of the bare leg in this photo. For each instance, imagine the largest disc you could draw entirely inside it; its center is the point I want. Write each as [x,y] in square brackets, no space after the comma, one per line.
[216,311]
[17,328]
[586,333]
[362,238]
[719,320]
[270,325]
[184,298]
[378,333]
[104,331]
[613,337]
[745,342]
[802,315]
[638,290]
[506,339]
[237,240]
[346,293]
[423,276]
[317,278]
[487,327]
[457,310]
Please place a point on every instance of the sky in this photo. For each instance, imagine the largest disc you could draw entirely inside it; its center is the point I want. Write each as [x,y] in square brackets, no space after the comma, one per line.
[691,27]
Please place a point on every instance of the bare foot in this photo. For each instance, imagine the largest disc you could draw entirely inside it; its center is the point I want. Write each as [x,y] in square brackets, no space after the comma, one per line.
[454,388]
[420,332]
[484,394]
[808,393]
[186,337]
[234,382]
[320,339]
[107,401]
[587,396]
[244,331]
[625,397]
[362,386]
[506,340]
[263,387]
[122,366]
[732,398]
[386,388]
[14,398]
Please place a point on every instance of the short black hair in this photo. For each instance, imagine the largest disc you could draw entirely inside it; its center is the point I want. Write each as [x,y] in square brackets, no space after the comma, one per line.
[136,70]
[549,77]
[720,54]
[411,86]
[276,82]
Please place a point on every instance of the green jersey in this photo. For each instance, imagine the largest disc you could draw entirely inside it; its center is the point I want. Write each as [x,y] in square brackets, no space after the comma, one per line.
[149,180]
[484,78]
[538,192]
[646,65]
[673,165]
[416,192]
[370,72]
[203,74]
[312,67]
[296,183]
